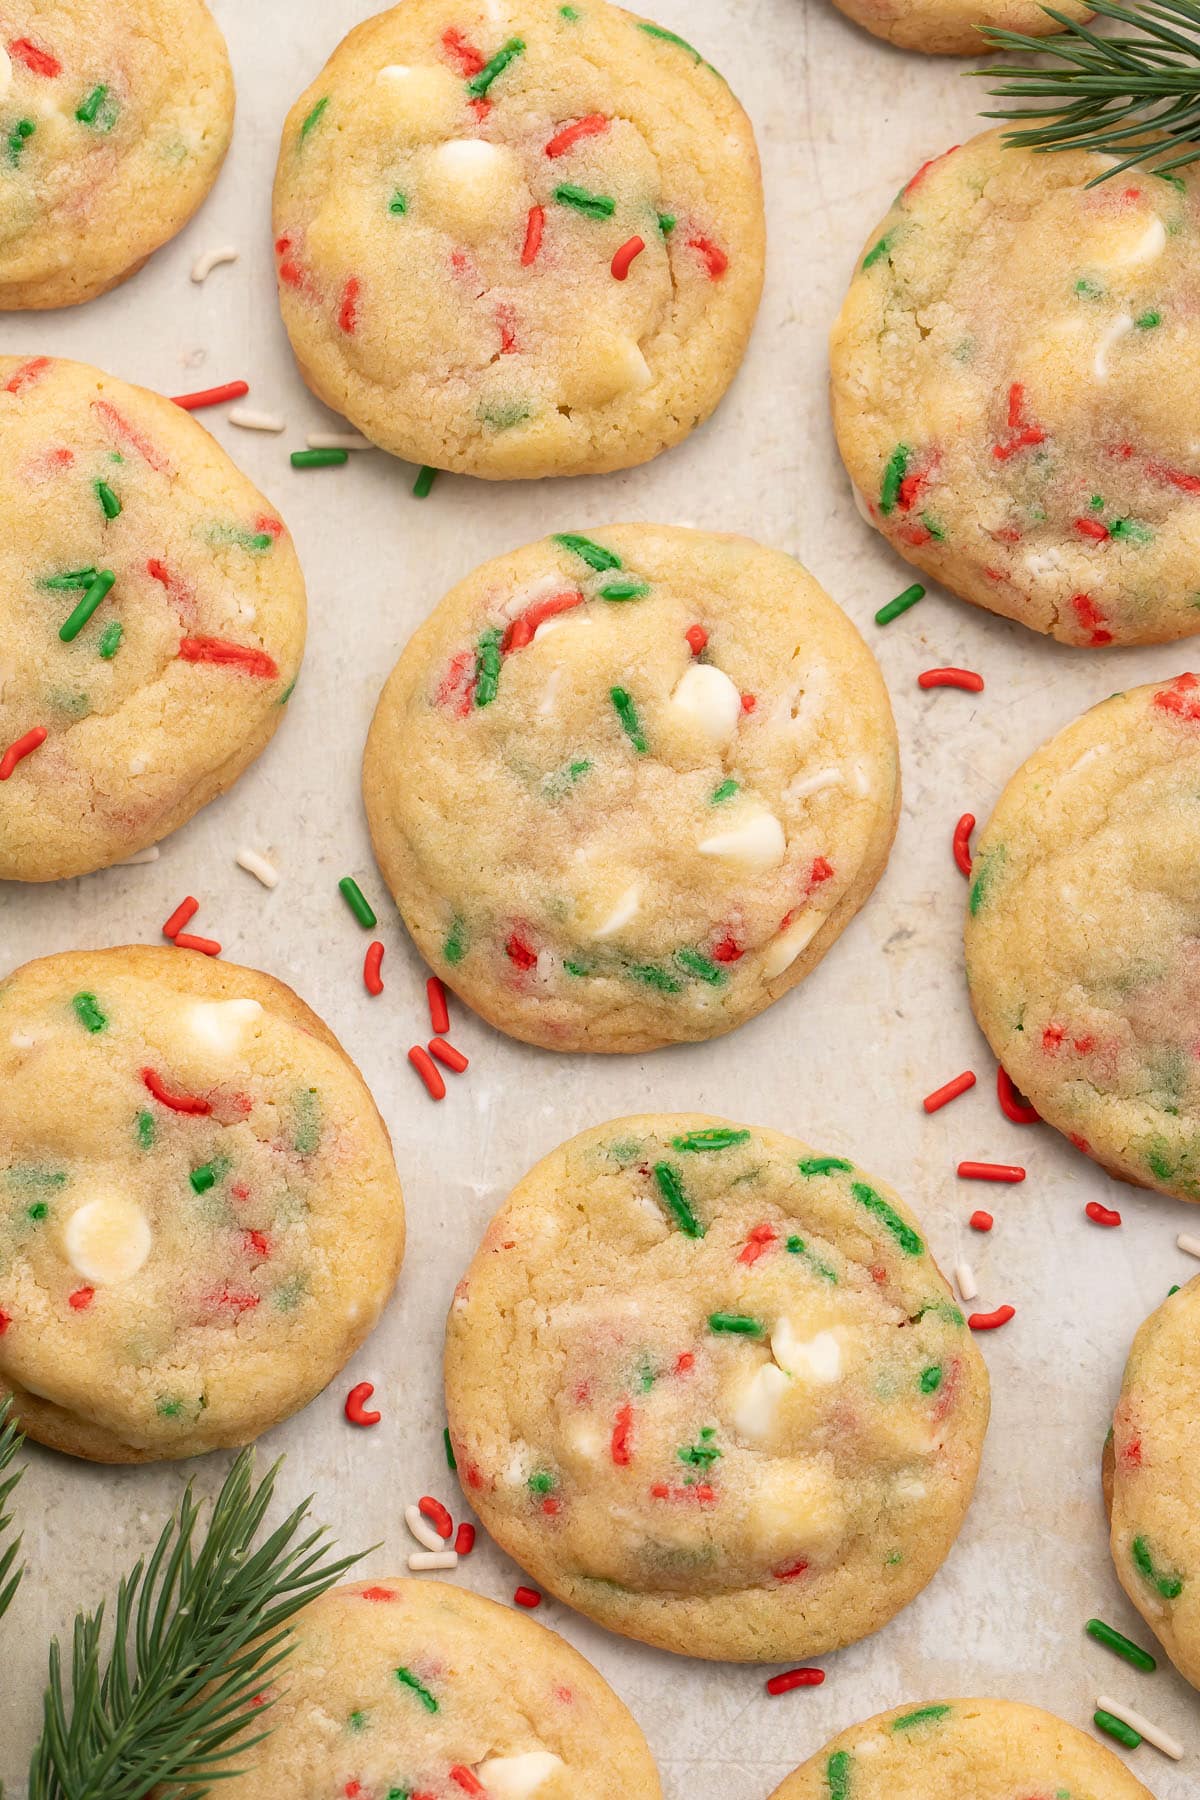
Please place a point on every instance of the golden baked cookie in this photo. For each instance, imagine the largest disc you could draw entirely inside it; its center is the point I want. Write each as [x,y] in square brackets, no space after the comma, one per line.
[1012,391]
[710,1388]
[951,27]
[1154,1478]
[963,1750]
[422,1691]
[1081,934]
[627,788]
[115,116]
[152,618]
[518,241]
[200,1220]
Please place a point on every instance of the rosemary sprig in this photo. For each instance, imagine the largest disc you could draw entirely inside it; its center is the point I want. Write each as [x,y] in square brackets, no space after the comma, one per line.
[197,1633]
[10,1442]
[1125,96]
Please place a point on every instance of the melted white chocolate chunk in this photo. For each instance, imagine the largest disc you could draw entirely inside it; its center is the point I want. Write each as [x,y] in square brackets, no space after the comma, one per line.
[220,1025]
[706,700]
[107,1239]
[516,1777]
[753,846]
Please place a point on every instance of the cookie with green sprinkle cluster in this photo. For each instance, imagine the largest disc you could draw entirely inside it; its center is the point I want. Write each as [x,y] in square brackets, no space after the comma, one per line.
[114,122]
[709,1387]
[519,248]
[628,786]
[200,1220]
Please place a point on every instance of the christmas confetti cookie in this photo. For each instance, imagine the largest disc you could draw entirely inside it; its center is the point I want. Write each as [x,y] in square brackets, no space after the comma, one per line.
[628,787]
[518,240]
[114,121]
[1010,388]
[709,1386]
[1081,934]
[1152,1478]
[200,1220]
[406,1690]
[951,27]
[152,617]
[971,1749]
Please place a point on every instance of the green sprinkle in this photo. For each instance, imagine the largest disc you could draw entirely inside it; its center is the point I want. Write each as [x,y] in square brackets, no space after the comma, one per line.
[541,1482]
[739,1324]
[627,588]
[924,1715]
[669,37]
[424,482]
[289,1293]
[487,667]
[1117,1728]
[931,1379]
[985,871]
[900,604]
[904,1234]
[168,1408]
[110,639]
[1087,289]
[503,415]
[314,117]
[1130,528]
[208,1174]
[571,16]
[627,713]
[667,223]
[701,1455]
[145,1130]
[423,1694]
[877,250]
[701,967]
[596,206]
[358,903]
[357,1721]
[725,791]
[719,1137]
[1115,1640]
[37,1212]
[933,528]
[648,973]
[893,475]
[451,1460]
[496,65]
[1174,180]
[837,1775]
[88,112]
[671,1189]
[17,137]
[455,946]
[319,459]
[288,691]
[825,1165]
[1168,1584]
[308,1121]
[1148,320]
[593,554]
[70,578]
[87,1011]
[108,500]
[75,622]
[398,204]
[245,540]
[1097,502]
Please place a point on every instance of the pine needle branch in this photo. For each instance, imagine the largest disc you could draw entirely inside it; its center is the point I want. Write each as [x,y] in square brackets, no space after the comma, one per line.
[198,1629]
[1131,97]
[10,1442]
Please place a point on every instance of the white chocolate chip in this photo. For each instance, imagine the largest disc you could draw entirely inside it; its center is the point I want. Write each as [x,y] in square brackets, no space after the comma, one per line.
[758,1403]
[1116,331]
[706,699]
[516,1777]
[796,1508]
[220,1024]
[107,1239]
[787,946]
[804,785]
[467,183]
[755,845]
[624,908]
[817,1358]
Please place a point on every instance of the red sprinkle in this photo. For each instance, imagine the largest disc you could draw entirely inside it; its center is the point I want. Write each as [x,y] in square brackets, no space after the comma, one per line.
[5,1322]
[439,1012]
[533,234]
[1101,1215]
[1189,484]
[962,843]
[20,750]
[356,1405]
[206,946]
[423,1064]
[623,257]
[348,311]
[983,1171]
[464,1539]
[231,390]
[1091,619]
[795,1678]
[528,1597]
[448,1055]
[925,168]
[749,702]
[981,1221]
[469,59]
[436,1513]
[715,259]
[1092,528]
[728,951]
[622,1431]
[522,629]
[372,979]
[953,678]
[41,62]
[27,374]
[1011,1105]
[942,1096]
[792,1572]
[757,1243]
[562,140]
[180,1103]
[697,638]
[469,1783]
[991,1321]
[81,1299]
[521,953]
[186,910]
[377,1593]
[1025,434]
[239,656]
[120,427]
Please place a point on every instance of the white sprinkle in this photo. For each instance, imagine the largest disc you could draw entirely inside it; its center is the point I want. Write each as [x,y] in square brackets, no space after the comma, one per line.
[803,785]
[249,420]
[258,866]
[1189,1243]
[422,1530]
[1119,328]
[139,857]
[964,1276]
[21,1041]
[1153,1734]
[433,1559]
[338,440]
[204,265]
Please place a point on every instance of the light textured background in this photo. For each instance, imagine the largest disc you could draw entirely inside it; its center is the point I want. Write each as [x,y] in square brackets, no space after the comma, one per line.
[842,120]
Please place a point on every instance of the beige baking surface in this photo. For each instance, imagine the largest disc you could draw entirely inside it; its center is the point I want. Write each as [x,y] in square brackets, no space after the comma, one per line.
[842,121]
